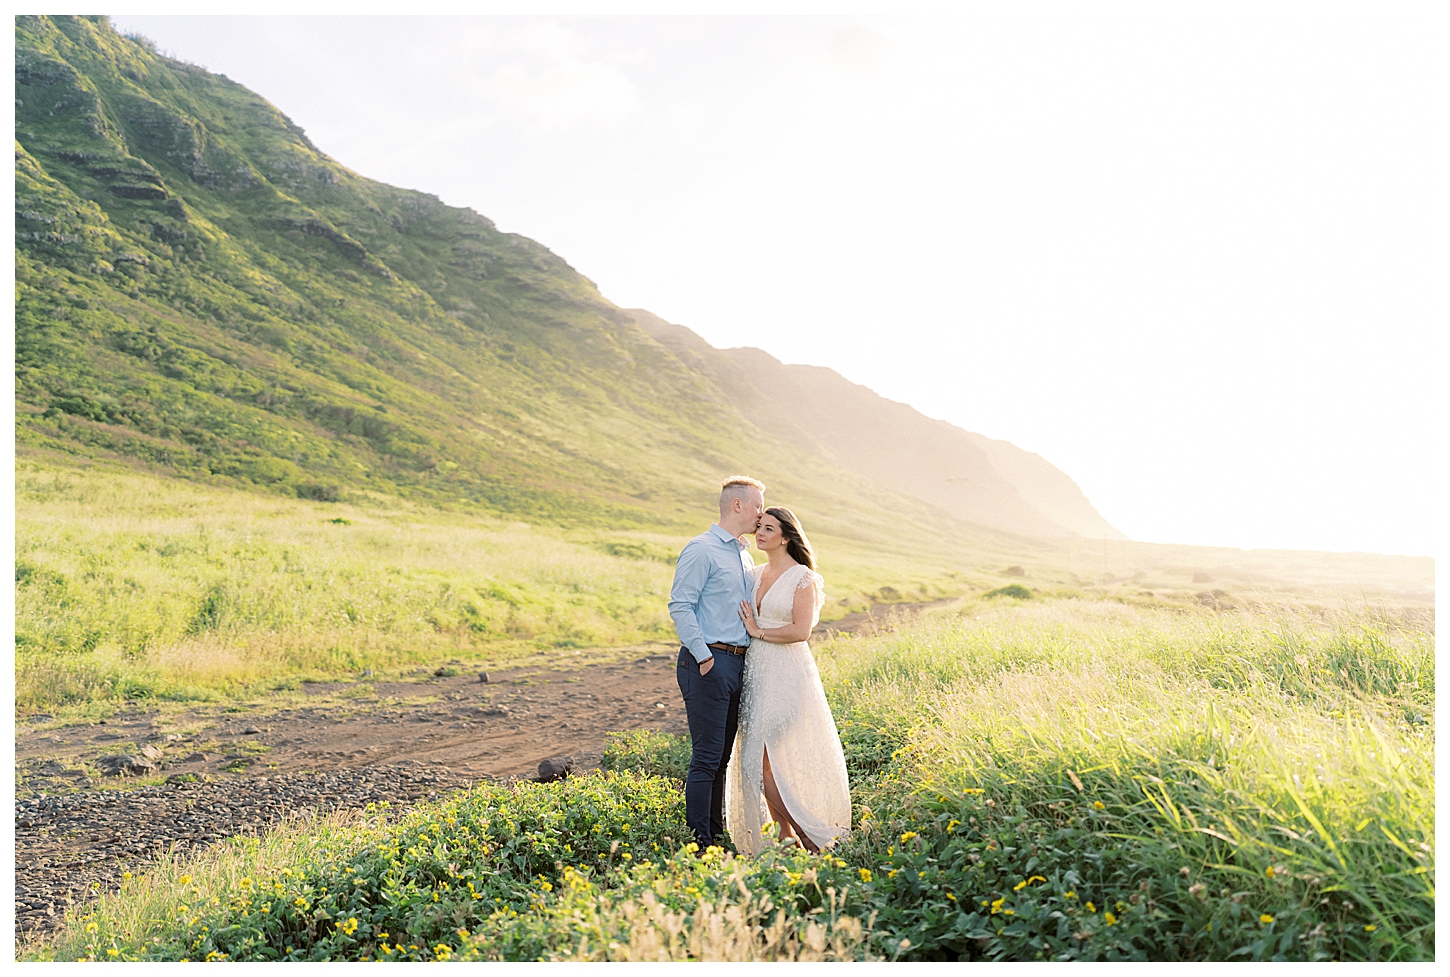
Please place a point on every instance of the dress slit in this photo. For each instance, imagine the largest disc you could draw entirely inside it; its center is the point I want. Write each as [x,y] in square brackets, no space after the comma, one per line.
[792,821]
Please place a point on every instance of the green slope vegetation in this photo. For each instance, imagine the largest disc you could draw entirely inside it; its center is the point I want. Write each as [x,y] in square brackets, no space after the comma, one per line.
[194,291]
[203,290]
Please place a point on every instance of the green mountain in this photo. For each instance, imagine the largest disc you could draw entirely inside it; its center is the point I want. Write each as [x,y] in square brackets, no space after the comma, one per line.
[202,290]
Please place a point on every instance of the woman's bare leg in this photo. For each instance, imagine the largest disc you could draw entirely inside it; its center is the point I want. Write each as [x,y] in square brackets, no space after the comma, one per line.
[778,812]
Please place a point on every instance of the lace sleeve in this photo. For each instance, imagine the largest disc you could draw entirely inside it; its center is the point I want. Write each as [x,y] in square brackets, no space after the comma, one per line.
[813,580]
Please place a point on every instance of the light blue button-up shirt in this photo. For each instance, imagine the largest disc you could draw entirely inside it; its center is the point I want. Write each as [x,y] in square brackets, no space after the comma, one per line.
[712,577]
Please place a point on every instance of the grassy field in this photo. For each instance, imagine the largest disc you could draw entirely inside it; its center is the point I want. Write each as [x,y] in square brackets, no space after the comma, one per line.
[1032,779]
[134,586]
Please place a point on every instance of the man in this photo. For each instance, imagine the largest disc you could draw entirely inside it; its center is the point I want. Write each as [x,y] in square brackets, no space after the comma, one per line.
[712,577]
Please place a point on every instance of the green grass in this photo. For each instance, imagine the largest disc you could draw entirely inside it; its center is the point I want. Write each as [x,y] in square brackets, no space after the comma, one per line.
[1059,779]
[134,586]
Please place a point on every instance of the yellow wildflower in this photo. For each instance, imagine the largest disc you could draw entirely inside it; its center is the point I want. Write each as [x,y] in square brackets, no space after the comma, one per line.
[1269,871]
[113,952]
[1370,927]
[184,880]
[1091,908]
[951,897]
[865,877]
[1099,806]
[1069,894]
[997,904]
[1020,886]
[1109,918]
[1266,919]
[907,836]
[951,825]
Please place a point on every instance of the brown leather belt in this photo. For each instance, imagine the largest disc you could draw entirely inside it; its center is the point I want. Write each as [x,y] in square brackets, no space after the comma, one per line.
[733,649]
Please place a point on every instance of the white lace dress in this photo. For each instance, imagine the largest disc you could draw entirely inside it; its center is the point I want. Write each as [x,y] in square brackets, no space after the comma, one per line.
[783,708]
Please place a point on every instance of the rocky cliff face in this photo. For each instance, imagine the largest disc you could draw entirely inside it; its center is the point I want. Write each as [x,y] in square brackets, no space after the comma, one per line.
[820,412]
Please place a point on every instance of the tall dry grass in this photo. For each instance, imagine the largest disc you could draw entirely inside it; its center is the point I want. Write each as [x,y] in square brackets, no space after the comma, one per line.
[128,585]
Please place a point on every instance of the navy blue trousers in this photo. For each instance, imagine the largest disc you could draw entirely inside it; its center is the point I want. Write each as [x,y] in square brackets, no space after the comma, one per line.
[712,707]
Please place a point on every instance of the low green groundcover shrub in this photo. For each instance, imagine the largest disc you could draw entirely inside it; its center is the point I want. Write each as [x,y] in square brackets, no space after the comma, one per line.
[1009,803]
[595,867]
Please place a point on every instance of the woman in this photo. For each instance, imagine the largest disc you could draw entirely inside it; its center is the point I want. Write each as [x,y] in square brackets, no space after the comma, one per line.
[787,765]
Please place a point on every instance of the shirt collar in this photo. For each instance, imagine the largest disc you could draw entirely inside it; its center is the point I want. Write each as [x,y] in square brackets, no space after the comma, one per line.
[725,537]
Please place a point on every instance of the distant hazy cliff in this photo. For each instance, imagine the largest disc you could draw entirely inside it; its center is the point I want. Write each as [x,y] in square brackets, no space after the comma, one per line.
[975,478]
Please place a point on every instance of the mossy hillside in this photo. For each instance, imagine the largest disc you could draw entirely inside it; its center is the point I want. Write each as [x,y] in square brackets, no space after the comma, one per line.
[202,289]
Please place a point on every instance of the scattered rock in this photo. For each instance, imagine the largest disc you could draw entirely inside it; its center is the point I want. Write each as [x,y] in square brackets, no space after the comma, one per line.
[483,678]
[1217,599]
[367,673]
[65,843]
[554,768]
[39,717]
[124,765]
[196,758]
[151,752]
[250,730]
[496,711]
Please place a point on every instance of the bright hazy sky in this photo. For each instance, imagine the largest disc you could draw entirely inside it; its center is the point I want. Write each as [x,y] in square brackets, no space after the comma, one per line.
[1186,255]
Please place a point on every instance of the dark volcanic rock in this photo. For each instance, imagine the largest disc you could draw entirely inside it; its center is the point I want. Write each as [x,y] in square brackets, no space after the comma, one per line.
[64,844]
[124,765]
[554,768]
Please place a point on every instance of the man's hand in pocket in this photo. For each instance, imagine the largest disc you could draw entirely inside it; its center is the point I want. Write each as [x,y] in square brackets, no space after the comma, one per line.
[706,665]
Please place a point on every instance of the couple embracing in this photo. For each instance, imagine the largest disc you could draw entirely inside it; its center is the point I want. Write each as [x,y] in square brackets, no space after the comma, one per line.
[765,747]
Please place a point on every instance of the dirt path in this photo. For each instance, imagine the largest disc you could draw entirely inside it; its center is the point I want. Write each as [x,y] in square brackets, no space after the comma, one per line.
[206,774]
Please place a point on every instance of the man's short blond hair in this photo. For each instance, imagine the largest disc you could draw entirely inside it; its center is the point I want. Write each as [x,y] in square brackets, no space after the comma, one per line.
[734,487]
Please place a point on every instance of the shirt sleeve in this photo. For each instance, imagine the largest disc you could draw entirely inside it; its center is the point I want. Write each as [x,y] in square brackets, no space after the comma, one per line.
[691,572]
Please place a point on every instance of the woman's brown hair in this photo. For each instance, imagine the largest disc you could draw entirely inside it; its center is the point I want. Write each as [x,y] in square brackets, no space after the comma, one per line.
[796,543]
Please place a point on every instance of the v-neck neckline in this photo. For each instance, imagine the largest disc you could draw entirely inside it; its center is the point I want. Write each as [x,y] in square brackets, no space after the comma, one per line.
[760,601]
